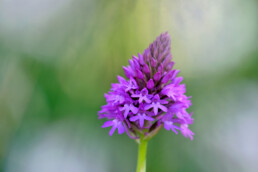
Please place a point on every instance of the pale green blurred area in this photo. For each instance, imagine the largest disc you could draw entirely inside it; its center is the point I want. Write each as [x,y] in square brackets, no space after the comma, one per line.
[58,58]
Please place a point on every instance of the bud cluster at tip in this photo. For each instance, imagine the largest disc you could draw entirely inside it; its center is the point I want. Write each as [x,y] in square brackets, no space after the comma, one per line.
[151,98]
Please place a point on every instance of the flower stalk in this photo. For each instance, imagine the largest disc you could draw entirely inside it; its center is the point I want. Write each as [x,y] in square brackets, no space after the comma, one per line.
[142,151]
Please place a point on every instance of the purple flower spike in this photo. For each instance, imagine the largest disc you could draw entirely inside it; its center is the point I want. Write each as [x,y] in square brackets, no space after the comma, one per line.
[151,97]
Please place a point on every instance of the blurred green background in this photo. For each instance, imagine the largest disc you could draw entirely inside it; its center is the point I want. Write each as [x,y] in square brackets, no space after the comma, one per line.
[59,57]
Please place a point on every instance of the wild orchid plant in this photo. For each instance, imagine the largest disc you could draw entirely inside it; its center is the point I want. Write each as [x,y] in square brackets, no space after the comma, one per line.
[151,98]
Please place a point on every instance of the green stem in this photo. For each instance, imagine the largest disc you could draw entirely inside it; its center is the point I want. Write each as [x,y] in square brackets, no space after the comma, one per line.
[142,150]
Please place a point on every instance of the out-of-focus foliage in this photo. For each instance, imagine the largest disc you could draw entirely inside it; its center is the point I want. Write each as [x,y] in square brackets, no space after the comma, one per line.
[58,58]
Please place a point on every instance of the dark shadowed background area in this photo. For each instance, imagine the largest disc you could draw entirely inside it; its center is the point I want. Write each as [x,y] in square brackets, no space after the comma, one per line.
[59,57]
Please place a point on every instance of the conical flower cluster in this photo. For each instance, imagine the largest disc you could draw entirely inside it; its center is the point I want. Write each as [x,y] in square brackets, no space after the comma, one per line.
[151,98]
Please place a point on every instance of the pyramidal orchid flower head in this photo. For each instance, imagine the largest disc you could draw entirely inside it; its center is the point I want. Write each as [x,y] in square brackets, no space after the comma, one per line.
[150,98]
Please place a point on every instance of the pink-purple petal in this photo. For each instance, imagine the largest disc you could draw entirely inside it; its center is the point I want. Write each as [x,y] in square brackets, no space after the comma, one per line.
[163,108]
[120,129]
[111,132]
[107,124]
